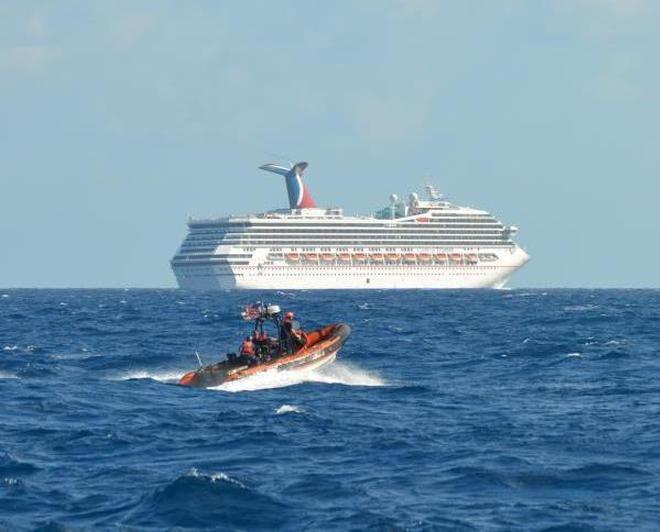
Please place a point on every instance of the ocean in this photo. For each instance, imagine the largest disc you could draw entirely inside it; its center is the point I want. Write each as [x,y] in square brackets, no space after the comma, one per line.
[447,410]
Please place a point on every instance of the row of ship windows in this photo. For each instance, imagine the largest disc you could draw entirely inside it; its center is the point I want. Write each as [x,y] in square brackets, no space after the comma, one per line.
[361,243]
[471,218]
[344,234]
[325,275]
[383,274]
[380,230]
[342,238]
[325,242]
[357,244]
[277,252]
[363,269]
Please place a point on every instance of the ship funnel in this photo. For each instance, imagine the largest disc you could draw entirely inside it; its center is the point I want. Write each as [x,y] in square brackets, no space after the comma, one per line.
[299,196]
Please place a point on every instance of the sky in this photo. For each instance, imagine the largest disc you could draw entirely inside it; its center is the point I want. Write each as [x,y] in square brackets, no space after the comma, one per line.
[119,119]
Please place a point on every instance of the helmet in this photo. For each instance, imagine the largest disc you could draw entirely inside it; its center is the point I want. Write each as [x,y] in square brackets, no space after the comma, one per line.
[288,316]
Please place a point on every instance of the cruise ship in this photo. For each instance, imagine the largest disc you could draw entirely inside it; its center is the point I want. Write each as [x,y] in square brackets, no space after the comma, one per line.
[420,243]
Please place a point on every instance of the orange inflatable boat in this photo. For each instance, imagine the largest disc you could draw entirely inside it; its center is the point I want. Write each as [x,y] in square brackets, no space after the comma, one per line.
[320,348]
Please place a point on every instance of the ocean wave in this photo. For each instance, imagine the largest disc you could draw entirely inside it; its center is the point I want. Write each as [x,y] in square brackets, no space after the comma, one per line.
[201,500]
[7,375]
[289,409]
[581,308]
[9,465]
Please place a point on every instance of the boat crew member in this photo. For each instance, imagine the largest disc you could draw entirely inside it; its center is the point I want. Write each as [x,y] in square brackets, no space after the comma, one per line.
[293,339]
[247,350]
[261,344]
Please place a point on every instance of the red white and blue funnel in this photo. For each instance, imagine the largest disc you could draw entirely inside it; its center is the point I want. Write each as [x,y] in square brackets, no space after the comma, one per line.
[299,196]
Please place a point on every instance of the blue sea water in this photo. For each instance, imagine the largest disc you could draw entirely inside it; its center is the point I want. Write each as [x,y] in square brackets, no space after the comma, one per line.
[457,410]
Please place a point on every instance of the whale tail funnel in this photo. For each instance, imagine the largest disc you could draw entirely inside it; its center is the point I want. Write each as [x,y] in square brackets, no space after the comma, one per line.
[299,196]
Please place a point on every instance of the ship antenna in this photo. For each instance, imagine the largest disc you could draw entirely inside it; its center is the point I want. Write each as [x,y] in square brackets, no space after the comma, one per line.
[433,193]
[199,360]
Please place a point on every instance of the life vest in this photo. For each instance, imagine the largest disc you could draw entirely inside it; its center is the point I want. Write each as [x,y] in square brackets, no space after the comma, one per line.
[247,348]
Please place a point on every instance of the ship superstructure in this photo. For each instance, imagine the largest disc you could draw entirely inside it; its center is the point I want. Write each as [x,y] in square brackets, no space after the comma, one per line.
[421,243]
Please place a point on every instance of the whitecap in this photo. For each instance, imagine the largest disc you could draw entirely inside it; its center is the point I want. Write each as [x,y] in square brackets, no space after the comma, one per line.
[5,296]
[574,355]
[215,477]
[288,409]
[7,375]
[580,308]
[10,348]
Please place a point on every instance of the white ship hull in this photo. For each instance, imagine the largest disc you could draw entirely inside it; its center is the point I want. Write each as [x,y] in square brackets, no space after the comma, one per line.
[354,277]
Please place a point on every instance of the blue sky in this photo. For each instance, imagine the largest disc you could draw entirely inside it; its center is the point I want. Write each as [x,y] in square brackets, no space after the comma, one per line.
[119,119]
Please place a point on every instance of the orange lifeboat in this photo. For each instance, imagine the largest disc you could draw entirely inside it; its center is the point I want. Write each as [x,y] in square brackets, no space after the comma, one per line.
[344,257]
[311,257]
[424,257]
[472,258]
[376,257]
[456,257]
[327,257]
[293,257]
[359,257]
[392,257]
[409,257]
[441,257]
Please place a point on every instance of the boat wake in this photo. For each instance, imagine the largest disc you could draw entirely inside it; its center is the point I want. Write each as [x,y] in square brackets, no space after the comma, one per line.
[168,376]
[338,373]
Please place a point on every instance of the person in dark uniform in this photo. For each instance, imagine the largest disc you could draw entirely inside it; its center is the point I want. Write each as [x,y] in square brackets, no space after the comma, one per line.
[292,339]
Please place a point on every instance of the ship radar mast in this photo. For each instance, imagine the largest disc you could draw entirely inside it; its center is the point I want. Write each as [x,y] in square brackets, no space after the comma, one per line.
[433,193]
